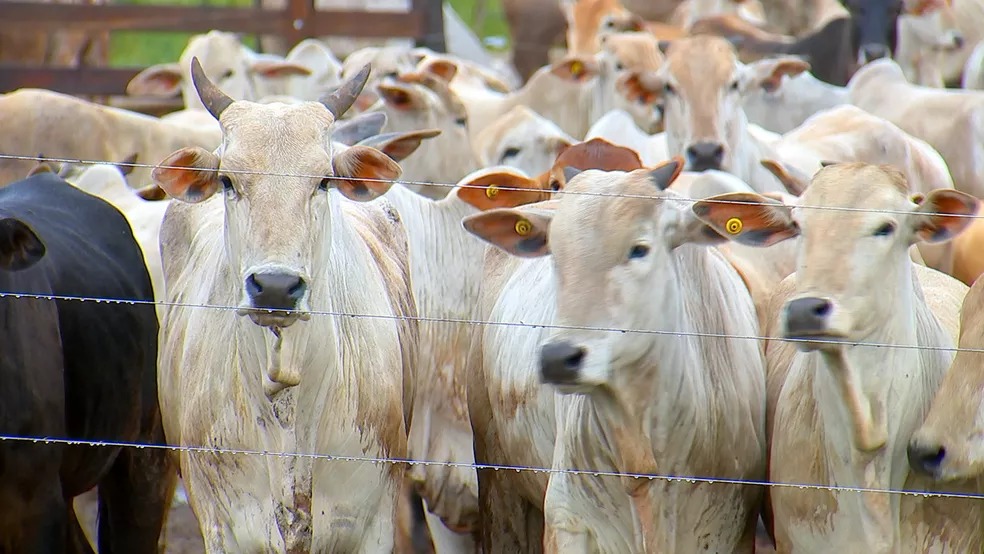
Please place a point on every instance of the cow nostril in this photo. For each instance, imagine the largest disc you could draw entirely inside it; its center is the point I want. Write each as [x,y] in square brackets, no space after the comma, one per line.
[298,289]
[574,360]
[821,309]
[252,287]
[926,459]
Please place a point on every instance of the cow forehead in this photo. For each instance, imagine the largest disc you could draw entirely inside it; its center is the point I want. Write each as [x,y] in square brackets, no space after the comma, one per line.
[635,50]
[276,137]
[701,61]
[601,211]
[869,188]
[304,122]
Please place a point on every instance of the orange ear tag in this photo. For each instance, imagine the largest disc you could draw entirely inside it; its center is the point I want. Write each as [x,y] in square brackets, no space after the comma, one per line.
[491,191]
[577,68]
[523,227]
[733,226]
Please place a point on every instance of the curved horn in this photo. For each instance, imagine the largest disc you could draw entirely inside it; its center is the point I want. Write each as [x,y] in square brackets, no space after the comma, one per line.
[214,99]
[339,101]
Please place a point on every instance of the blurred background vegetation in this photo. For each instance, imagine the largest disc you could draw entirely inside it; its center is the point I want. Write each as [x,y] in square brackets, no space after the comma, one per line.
[141,48]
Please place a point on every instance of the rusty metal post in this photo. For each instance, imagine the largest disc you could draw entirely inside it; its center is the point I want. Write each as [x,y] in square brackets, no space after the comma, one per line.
[298,21]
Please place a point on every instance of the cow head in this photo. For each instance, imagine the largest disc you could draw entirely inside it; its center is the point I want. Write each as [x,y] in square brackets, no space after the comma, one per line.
[949,444]
[873,27]
[855,216]
[607,253]
[20,247]
[701,86]
[523,139]
[274,172]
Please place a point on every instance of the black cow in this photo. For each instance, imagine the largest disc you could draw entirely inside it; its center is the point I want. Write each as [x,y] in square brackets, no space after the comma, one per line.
[80,370]
[836,50]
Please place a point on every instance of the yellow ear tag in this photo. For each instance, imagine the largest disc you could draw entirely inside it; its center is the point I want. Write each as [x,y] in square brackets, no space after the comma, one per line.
[523,227]
[577,68]
[733,226]
[491,191]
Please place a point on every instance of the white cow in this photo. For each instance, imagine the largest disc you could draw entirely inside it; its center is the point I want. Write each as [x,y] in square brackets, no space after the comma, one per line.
[646,402]
[446,272]
[269,235]
[523,139]
[701,85]
[951,121]
[842,408]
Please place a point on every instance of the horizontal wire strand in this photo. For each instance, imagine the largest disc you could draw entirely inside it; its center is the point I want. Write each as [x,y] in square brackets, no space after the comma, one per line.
[467,185]
[462,321]
[477,466]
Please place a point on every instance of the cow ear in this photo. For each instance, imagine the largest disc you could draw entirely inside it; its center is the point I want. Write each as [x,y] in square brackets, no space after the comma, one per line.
[640,87]
[944,214]
[794,180]
[767,74]
[665,173]
[163,80]
[522,233]
[576,70]
[277,69]
[360,127]
[442,69]
[747,218]
[399,96]
[364,173]
[190,174]
[151,193]
[20,246]
[399,146]
[41,167]
[498,190]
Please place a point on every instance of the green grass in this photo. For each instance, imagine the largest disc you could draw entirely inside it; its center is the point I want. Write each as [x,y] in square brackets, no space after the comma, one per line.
[143,48]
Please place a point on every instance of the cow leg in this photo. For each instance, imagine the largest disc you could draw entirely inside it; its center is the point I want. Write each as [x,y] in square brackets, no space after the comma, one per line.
[134,498]
[509,523]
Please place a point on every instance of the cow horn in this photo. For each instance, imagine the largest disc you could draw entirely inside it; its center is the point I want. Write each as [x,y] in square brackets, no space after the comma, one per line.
[339,101]
[214,99]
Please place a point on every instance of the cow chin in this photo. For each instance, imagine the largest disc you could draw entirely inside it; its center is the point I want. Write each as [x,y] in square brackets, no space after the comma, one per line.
[274,319]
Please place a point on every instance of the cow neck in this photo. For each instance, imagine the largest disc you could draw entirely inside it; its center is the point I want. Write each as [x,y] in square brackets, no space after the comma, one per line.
[869,399]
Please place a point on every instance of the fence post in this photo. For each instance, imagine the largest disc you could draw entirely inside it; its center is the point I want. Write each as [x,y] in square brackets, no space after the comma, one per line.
[432,20]
[298,21]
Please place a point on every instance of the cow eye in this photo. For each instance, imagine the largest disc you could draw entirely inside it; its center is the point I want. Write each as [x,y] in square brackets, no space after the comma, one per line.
[884,230]
[226,182]
[733,87]
[461,121]
[668,89]
[226,74]
[638,251]
[510,152]
[325,183]
[554,185]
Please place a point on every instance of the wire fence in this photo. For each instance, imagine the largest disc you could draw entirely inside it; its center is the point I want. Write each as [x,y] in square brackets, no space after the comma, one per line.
[424,318]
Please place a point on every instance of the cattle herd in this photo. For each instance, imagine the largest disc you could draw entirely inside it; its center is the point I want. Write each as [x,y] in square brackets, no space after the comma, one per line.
[703,283]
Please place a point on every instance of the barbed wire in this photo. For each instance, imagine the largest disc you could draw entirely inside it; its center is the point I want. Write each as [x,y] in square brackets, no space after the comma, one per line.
[78,161]
[425,319]
[478,466]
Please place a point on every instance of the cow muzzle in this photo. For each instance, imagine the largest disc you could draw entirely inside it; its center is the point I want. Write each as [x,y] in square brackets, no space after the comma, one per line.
[811,317]
[561,363]
[926,458]
[274,298]
[705,155]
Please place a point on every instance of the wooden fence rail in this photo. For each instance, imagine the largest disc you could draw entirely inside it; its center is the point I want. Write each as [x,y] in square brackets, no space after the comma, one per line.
[299,20]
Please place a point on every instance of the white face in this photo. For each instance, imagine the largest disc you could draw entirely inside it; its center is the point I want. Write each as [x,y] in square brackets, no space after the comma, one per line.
[702,84]
[274,170]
